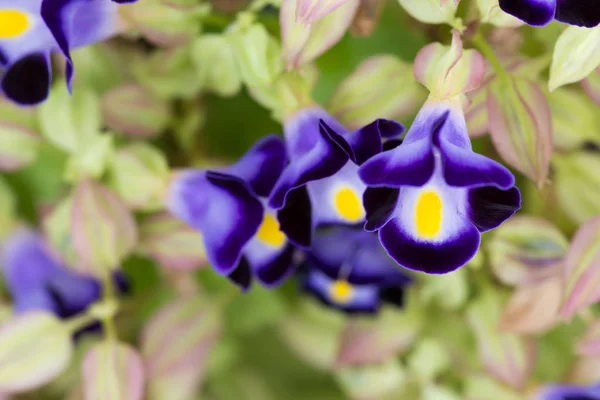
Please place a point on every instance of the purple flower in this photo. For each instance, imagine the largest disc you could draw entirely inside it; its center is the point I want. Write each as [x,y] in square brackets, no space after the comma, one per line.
[540,12]
[321,184]
[568,392]
[348,269]
[228,207]
[37,281]
[31,29]
[432,196]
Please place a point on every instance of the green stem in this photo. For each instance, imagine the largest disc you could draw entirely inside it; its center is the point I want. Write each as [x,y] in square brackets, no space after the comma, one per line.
[79,322]
[487,51]
[107,321]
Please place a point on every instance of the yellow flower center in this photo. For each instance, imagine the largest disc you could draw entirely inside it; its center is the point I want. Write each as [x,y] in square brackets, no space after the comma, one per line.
[341,292]
[269,232]
[348,204]
[428,214]
[13,23]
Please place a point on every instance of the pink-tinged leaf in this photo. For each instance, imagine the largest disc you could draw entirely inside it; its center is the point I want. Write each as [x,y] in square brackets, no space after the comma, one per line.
[303,43]
[581,270]
[171,243]
[18,146]
[476,113]
[526,250]
[113,371]
[35,347]
[589,344]
[382,86]
[310,11]
[591,85]
[103,230]
[533,309]
[507,357]
[133,110]
[176,343]
[521,126]
[375,341]
[585,371]
[448,71]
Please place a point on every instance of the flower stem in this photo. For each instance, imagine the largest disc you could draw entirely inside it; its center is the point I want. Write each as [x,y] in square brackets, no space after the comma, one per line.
[487,51]
[79,322]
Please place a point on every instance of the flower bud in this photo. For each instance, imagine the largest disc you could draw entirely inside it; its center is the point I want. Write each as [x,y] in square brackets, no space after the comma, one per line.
[103,230]
[591,85]
[532,309]
[521,126]
[449,71]
[313,324]
[492,14]
[18,146]
[509,358]
[112,370]
[381,87]
[379,339]
[571,133]
[303,42]
[133,110]
[576,55]
[431,11]
[139,175]
[214,58]
[257,54]
[35,348]
[310,11]
[176,344]
[581,269]
[171,243]
[70,122]
[164,24]
[373,381]
[526,250]
[577,172]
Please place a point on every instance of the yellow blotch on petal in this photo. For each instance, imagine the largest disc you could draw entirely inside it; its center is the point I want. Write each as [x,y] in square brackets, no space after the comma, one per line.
[13,23]
[428,214]
[269,232]
[348,204]
[341,292]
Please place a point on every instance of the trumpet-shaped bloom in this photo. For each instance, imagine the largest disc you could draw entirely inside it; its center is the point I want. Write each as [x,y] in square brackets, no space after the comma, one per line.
[348,269]
[37,281]
[31,29]
[540,12]
[321,184]
[569,392]
[241,234]
[432,196]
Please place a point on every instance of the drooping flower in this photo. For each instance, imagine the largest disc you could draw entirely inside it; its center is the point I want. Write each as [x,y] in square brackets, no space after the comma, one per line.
[31,29]
[321,183]
[432,196]
[348,269]
[228,206]
[541,12]
[37,281]
[569,392]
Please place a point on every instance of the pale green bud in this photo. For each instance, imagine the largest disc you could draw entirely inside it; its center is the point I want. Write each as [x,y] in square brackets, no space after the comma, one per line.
[215,60]
[431,11]
[133,110]
[113,370]
[380,87]
[139,174]
[35,347]
[576,55]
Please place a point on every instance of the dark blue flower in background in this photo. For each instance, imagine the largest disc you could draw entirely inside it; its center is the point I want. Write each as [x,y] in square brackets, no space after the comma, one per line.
[348,269]
[228,207]
[31,29]
[432,196]
[321,184]
[37,281]
[540,12]
[569,392]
